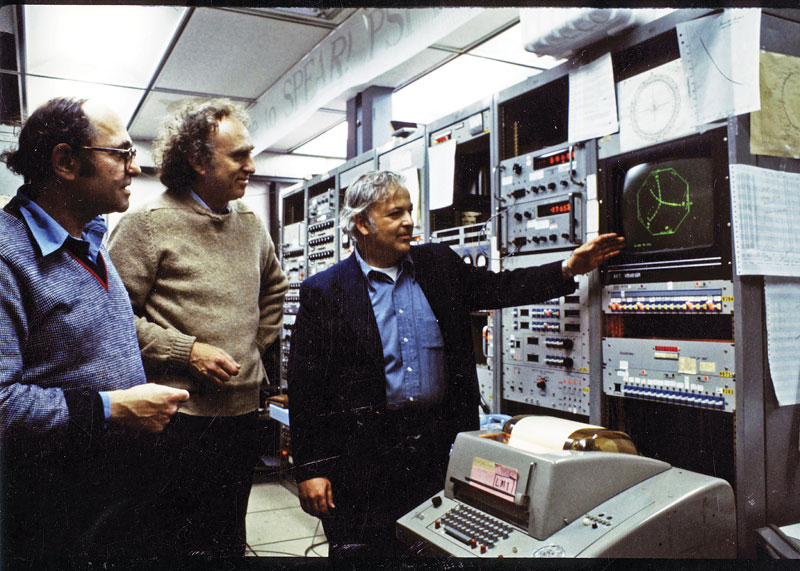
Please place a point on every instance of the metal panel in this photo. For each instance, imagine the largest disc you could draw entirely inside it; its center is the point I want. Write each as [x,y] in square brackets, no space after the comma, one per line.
[781,436]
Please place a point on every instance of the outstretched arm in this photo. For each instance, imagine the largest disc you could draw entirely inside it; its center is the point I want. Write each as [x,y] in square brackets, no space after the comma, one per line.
[588,256]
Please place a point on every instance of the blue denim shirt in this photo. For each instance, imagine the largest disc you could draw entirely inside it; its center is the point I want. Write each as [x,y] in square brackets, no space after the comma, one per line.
[413,348]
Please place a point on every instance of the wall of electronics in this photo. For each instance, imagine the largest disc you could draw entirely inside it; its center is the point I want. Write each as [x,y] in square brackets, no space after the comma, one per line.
[464,221]
[647,344]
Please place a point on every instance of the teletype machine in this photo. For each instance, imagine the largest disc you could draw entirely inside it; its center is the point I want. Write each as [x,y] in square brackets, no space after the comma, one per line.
[548,487]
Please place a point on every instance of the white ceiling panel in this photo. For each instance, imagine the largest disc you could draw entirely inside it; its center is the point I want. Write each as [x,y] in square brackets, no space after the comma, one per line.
[237,54]
[412,68]
[119,45]
[122,99]
[318,123]
[324,15]
[508,46]
[155,107]
[486,24]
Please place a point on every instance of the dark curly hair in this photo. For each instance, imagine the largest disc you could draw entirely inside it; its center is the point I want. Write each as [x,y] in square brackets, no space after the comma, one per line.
[60,120]
[186,135]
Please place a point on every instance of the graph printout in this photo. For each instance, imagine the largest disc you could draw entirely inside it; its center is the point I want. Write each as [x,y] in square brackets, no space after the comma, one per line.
[721,55]
[766,221]
[782,301]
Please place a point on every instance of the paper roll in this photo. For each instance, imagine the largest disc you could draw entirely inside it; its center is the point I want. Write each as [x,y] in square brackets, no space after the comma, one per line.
[544,434]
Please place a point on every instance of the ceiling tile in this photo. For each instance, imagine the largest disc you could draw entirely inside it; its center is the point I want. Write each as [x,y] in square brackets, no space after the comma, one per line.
[155,107]
[412,68]
[484,25]
[317,124]
[325,15]
[123,100]
[230,53]
[508,46]
[118,45]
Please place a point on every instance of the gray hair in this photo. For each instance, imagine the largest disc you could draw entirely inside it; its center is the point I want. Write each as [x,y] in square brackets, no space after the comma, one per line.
[366,191]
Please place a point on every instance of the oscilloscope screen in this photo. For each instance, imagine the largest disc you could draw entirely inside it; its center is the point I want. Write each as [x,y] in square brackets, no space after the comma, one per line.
[668,205]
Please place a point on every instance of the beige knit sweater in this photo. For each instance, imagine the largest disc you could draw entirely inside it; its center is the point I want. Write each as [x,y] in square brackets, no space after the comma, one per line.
[195,275]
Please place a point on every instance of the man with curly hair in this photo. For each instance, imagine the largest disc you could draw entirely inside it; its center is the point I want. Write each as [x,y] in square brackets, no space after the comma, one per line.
[75,407]
[207,291]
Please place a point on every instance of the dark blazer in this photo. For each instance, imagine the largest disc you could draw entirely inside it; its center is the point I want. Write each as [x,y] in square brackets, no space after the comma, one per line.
[337,384]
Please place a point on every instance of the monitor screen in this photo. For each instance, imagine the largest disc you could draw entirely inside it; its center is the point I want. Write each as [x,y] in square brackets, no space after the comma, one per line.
[668,205]
[671,201]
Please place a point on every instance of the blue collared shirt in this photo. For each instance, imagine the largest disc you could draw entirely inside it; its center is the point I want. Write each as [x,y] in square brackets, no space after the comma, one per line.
[413,348]
[50,236]
[206,206]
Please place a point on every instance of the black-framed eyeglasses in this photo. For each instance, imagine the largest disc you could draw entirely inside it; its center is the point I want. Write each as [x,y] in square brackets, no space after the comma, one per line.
[127,154]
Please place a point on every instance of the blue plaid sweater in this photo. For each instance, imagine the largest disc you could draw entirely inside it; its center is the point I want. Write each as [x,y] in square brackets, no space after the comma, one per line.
[64,336]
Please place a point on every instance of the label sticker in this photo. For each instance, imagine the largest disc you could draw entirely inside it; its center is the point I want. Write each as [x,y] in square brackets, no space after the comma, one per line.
[494,478]
[687,365]
[708,366]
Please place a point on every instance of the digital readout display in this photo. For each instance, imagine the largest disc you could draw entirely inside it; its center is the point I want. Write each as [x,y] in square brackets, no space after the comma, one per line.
[552,160]
[552,208]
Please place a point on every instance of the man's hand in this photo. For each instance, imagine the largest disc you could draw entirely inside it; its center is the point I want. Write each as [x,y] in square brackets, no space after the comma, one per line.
[212,363]
[588,256]
[316,496]
[148,406]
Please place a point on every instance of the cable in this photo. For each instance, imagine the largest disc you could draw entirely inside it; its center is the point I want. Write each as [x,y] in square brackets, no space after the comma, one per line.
[286,553]
[314,546]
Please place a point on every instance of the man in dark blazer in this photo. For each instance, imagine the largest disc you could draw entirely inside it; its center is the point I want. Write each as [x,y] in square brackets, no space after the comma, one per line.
[382,370]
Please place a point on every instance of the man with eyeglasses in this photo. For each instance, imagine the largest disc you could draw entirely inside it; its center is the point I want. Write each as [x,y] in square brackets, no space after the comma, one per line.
[76,412]
[207,290]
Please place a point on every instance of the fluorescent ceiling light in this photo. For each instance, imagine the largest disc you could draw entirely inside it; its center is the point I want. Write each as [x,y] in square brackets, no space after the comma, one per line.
[458,83]
[117,45]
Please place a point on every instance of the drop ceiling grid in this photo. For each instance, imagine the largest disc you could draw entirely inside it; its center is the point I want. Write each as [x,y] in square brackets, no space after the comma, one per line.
[235,54]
